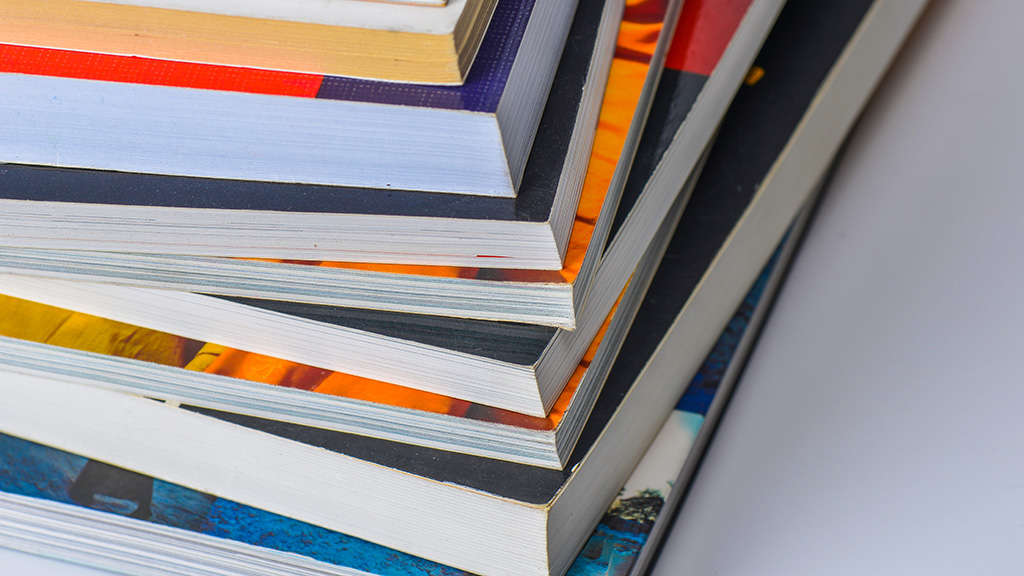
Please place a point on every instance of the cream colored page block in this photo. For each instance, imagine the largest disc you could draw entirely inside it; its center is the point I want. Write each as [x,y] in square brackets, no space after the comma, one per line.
[349,13]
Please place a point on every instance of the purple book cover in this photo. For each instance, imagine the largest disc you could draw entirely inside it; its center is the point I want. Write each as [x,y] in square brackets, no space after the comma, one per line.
[483,87]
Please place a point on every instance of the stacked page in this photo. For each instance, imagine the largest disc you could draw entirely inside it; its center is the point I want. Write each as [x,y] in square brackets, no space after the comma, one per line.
[468,444]
[44,490]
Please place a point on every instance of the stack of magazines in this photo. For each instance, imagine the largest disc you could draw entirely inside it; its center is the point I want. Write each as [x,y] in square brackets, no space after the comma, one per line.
[408,287]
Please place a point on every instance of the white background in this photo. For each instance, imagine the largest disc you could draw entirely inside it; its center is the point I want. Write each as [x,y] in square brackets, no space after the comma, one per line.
[879,428]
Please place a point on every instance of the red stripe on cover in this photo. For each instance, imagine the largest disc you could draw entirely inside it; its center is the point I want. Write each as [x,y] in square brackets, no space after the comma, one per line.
[131,69]
[705,28]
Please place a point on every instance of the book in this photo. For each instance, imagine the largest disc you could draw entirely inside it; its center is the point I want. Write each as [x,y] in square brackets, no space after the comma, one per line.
[423,42]
[133,114]
[336,223]
[695,94]
[485,515]
[129,515]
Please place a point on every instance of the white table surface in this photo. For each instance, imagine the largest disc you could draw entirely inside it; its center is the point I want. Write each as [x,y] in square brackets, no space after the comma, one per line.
[879,428]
